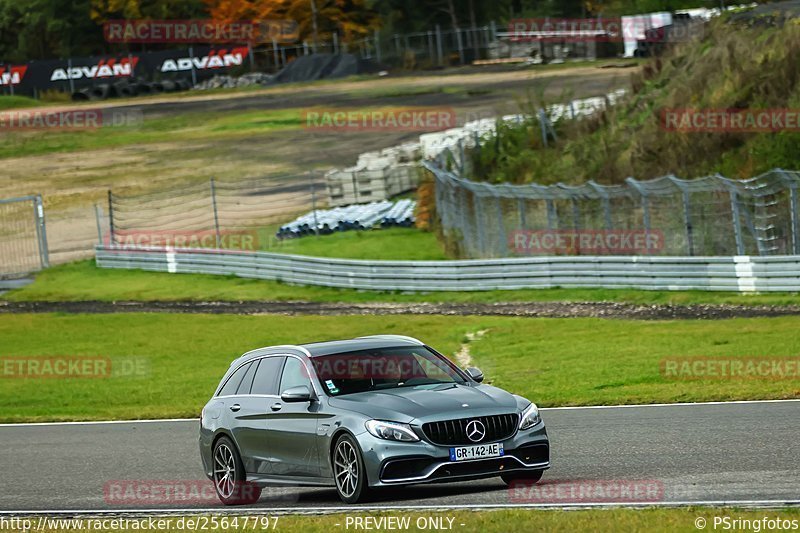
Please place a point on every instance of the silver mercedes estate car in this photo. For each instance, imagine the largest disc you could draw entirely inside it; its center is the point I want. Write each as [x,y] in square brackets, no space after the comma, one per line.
[362,414]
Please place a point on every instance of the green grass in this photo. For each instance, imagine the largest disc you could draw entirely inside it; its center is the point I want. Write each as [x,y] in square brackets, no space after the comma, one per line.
[552,361]
[17,102]
[84,281]
[393,243]
[190,126]
[644,520]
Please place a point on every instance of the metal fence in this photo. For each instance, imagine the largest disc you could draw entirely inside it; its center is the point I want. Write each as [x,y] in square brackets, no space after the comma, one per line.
[738,274]
[709,216]
[436,47]
[23,237]
[212,208]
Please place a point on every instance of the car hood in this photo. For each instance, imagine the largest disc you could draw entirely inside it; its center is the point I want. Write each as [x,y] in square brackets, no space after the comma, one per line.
[424,404]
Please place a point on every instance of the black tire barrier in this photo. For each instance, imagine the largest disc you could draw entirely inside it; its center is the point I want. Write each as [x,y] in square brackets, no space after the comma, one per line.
[157,87]
[183,85]
[143,88]
[125,89]
[100,92]
[81,96]
[169,86]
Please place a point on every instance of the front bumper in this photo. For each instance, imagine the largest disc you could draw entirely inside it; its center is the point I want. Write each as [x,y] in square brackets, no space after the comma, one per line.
[391,463]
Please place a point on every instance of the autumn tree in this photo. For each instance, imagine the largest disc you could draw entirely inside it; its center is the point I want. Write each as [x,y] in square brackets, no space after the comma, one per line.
[349,19]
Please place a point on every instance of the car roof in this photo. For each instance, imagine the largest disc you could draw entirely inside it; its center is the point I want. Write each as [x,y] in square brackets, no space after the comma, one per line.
[316,349]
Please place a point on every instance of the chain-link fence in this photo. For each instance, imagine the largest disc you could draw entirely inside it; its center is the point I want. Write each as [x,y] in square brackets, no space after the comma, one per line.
[242,214]
[707,216]
[436,47]
[23,237]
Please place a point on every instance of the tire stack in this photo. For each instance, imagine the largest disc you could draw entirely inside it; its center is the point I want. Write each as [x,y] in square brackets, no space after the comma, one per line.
[130,89]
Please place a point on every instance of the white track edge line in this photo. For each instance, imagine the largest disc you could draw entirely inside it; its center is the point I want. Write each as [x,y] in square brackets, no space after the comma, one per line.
[458,507]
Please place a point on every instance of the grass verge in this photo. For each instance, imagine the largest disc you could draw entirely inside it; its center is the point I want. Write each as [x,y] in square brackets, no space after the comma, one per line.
[17,102]
[650,520]
[551,361]
[84,281]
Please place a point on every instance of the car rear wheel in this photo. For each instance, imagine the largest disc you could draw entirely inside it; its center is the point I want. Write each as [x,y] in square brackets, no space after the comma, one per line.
[349,472]
[229,476]
[523,478]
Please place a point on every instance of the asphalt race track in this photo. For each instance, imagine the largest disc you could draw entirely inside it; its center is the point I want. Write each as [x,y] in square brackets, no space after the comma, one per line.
[734,452]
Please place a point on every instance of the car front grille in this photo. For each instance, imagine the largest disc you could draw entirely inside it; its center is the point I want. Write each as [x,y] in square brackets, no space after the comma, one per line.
[454,432]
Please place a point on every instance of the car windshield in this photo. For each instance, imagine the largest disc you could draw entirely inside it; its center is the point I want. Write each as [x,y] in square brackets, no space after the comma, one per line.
[382,369]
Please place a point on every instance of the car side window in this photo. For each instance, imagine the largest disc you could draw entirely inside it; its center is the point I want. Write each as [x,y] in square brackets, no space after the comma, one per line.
[266,376]
[294,374]
[234,381]
[247,380]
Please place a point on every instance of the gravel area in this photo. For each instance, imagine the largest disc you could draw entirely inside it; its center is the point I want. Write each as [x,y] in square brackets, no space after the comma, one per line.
[526,309]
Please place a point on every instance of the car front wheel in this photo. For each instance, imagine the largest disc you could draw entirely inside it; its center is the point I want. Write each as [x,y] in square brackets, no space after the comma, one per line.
[229,476]
[349,472]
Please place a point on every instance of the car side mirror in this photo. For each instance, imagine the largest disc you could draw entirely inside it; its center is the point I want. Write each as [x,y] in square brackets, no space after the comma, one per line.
[297,394]
[475,373]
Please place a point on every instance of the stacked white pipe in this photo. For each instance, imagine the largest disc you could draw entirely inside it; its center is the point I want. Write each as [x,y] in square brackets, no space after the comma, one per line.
[352,217]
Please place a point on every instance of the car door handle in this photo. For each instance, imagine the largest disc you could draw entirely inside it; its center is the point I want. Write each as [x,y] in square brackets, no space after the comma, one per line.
[276,406]
[235,407]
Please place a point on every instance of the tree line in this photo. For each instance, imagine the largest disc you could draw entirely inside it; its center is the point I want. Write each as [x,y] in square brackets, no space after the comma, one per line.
[46,29]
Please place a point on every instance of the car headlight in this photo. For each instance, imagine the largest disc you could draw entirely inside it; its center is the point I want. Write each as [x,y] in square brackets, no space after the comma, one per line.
[391,431]
[530,417]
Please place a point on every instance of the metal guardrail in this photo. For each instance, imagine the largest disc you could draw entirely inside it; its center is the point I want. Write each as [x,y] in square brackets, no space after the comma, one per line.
[738,274]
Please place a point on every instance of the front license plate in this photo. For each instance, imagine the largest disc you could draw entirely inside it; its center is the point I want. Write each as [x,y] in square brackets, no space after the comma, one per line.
[481,451]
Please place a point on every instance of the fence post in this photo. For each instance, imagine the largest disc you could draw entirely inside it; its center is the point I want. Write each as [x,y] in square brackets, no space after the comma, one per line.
[460,46]
[552,216]
[645,209]
[377,47]
[793,217]
[98,218]
[501,228]
[275,54]
[543,127]
[41,230]
[439,45]
[216,214]
[576,214]
[478,207]
[737,229]
[314,205]
[111,237]
[430,46]
[687,220]
[194,72]
[69,75]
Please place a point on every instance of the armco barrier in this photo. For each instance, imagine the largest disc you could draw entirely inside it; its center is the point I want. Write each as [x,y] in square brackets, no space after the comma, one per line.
[739,274]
